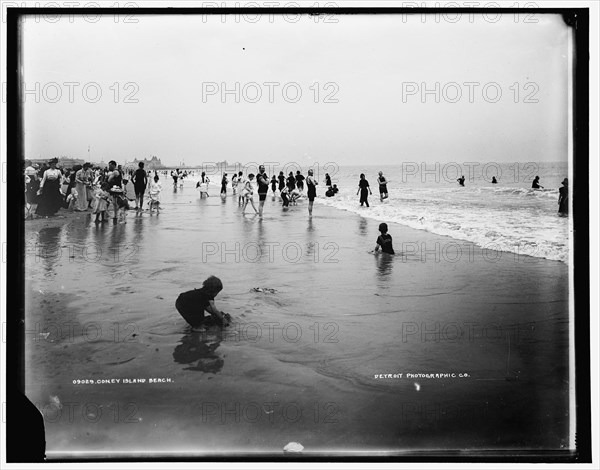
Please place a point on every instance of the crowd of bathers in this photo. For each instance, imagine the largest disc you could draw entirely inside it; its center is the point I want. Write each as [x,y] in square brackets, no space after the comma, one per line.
[85,188]
[105,190]
[290,188]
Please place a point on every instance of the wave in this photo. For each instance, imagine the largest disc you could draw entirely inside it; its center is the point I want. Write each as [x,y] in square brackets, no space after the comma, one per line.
[526,192]
[525,230]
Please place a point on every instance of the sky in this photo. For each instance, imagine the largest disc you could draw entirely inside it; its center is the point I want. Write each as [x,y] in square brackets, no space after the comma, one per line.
[345,89]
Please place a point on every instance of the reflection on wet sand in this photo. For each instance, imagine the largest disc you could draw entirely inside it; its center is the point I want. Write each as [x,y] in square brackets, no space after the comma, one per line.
[363,225]
[198,353]
[385,263]
[49,246]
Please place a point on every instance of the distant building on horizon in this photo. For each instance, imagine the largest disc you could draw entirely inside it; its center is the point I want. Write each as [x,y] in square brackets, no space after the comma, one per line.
[63,161]
[153,164]
[220,166]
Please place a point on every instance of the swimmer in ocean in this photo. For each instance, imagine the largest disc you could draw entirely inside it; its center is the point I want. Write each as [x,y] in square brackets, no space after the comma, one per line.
[383,192]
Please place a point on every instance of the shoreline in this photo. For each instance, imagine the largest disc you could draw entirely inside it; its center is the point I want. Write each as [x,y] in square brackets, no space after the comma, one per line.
[65,216]
[490,246]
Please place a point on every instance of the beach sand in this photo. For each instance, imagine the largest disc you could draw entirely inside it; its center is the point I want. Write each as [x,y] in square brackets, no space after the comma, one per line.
[302,364]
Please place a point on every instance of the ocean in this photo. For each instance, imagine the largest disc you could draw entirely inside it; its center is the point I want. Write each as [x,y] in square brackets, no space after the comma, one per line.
[508,216]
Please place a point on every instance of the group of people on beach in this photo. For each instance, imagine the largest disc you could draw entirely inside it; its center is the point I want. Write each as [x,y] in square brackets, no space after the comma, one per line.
[104,190]
[365,190]
[291,188]
[178,176]
[87,187]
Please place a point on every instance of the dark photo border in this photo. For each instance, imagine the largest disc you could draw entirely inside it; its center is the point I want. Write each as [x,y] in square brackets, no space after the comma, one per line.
[19,421]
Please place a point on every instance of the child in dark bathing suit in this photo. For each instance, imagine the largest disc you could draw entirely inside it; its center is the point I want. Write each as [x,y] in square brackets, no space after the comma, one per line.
[384,241]
[273,184]
[192,304]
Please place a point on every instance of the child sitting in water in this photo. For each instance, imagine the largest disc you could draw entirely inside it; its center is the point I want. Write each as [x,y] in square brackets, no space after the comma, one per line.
[192,304]
[384,241]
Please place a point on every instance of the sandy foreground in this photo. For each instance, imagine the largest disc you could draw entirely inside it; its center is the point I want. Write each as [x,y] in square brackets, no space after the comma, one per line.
[323,360]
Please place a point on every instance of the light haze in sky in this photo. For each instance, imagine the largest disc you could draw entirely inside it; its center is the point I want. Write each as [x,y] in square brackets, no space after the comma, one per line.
[361,79]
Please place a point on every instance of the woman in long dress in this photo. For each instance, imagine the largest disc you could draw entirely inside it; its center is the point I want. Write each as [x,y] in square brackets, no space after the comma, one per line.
[563,198]
[51,199]
[364,189]
[82,185]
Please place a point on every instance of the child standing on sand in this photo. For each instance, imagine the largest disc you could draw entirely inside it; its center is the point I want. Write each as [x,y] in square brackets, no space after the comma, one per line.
[192,304]
[102,197]
[241,182]
[234,181]
[247,193]
[224,182]
[384,241]
[72,199]
[273,184]
[154,194]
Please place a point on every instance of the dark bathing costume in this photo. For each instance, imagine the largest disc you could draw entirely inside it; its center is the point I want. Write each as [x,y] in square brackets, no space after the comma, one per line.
[382,185]
[312,190]
[263,188]
[138,179]
[281,179]
[364,191]
[291,183]
[224,185]
[563,207]
[191,305]
[385,241]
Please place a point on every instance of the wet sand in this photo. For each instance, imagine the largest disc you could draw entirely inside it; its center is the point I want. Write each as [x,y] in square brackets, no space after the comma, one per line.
[302,364]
